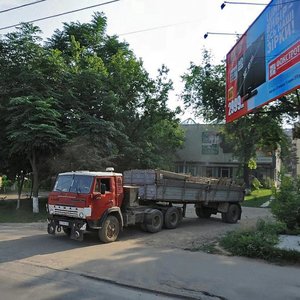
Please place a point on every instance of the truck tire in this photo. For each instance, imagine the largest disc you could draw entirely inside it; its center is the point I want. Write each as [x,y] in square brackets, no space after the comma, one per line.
[203,212]
[110,230]
[233,214]
[172,218]
[154,221]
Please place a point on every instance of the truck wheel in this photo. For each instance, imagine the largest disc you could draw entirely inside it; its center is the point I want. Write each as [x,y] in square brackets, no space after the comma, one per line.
[154,221]
[202,212]
[110,230]
[233,214]
[172,218]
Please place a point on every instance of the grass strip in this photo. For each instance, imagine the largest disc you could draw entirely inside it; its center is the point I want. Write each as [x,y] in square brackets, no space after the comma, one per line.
[9,213]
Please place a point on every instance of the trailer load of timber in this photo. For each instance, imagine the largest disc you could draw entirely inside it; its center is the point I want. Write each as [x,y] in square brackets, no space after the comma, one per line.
[165,186]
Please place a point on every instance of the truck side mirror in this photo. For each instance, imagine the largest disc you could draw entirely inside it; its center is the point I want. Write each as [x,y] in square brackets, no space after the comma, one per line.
[103,188]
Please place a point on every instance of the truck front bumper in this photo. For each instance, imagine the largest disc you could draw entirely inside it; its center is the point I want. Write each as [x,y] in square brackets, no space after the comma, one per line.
[74,227]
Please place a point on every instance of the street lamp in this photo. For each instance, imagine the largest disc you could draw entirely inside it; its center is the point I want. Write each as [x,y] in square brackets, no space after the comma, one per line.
[235,2]
[222,33]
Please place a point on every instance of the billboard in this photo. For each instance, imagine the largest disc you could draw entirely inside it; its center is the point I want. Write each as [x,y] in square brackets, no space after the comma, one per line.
[264,64]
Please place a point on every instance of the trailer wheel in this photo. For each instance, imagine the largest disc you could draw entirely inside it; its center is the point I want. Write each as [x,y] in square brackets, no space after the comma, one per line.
[110,230]
[154,221]
[172,218]
[233,214]
[203,212]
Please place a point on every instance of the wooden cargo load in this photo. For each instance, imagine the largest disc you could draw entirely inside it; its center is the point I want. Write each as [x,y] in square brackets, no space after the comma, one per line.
[165,186]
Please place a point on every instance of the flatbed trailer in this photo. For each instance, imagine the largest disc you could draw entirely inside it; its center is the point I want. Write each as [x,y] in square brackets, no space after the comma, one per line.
[209,195]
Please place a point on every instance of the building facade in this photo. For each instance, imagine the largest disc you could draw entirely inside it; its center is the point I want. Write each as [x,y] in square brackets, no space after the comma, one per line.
[203,155]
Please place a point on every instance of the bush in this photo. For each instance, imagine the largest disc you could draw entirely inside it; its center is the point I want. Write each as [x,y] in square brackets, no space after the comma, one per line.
[6,183]
[286,206]
[254,243]
[255,183]
[268,183]
[270,228]
[259,243]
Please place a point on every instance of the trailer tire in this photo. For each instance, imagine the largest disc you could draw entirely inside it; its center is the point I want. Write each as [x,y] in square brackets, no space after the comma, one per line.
[154,221]
[203,212]
[172,218]
[110,230]
[233,214]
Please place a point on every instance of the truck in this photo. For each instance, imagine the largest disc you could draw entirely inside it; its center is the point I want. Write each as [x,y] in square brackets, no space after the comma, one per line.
[107,202]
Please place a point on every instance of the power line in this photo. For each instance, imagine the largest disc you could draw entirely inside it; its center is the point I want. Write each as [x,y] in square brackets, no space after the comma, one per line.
[61,14]
[156,28]
[20,6]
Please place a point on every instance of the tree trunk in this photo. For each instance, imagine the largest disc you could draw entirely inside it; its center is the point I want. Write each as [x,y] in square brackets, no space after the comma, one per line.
[21,178]
[35,185]
[246,175]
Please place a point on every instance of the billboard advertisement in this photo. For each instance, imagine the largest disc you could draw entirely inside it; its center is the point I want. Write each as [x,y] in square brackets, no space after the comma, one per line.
[264,64]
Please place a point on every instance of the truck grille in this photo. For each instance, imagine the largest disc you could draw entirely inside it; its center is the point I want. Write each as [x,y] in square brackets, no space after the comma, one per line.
[66,212]
[69,211]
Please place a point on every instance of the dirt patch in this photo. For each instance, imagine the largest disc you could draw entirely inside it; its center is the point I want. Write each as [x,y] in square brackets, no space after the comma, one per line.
[193,232]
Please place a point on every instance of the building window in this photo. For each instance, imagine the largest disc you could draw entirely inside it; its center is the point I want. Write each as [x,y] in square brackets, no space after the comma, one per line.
[209,172]
[192,170]
[225,172]
[210,143]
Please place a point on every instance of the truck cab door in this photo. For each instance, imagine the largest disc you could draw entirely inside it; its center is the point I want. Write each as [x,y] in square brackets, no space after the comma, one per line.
[103,196]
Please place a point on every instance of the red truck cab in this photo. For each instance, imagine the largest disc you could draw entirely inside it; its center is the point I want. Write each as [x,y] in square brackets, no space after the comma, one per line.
[85,200]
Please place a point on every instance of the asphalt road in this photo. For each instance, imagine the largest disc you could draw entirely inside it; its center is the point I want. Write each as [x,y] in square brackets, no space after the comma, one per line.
[34,265]
[24,281]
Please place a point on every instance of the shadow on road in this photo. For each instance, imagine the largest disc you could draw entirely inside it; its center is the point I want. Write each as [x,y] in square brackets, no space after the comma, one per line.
[14,246]
[40,244]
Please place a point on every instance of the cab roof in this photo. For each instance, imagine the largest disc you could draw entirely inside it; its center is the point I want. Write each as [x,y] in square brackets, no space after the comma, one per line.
[92,173]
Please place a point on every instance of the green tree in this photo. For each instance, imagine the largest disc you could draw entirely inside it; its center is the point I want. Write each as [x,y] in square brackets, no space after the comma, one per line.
[34,131]
[29,77]
[204,91]
[250,133]
[110,87]
[82,100]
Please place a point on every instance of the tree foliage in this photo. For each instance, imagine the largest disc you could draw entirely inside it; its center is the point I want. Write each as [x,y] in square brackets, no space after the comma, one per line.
[204,91]
[81,100]
[286,206]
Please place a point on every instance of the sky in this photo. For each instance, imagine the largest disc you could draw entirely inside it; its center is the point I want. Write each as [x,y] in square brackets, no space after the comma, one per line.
[169,32]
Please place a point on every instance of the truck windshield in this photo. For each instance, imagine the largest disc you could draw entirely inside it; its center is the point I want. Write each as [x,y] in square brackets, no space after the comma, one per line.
[73,183]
